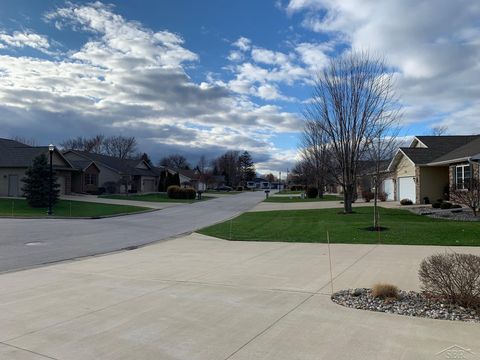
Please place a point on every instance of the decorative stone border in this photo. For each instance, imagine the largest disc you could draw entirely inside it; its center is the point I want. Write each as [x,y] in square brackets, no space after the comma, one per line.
[409,303]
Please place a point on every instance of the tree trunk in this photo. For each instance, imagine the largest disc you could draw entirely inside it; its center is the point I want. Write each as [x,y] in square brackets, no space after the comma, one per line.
[348,199]
[375,208]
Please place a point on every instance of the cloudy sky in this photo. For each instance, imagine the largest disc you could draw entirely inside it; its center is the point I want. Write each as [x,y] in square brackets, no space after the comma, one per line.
[201,77]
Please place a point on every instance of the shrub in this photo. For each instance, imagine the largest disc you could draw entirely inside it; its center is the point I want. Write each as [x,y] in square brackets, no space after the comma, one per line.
[436,205]
[367,196]
[385,291]
[452,277]
[406,202]
[456,206]
[440,200]
[445,205]
[239,188]
[382,196]
[297,187]
[312,192]
[176,192]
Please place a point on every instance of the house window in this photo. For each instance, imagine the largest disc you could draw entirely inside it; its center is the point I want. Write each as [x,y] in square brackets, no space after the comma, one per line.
[91,179]
[463,174]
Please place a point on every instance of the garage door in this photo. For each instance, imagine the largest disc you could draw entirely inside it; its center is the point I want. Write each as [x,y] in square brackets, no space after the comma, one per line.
[148,185]
[388,189]
[406,188]
[61,181]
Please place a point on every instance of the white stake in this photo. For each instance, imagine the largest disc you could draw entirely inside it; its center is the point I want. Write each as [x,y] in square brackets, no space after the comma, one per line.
[330,260]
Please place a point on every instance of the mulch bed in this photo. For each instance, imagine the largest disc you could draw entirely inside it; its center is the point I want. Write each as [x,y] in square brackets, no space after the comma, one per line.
[409,303]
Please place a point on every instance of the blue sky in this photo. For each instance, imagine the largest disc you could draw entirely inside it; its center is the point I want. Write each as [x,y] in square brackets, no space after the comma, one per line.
[201,77]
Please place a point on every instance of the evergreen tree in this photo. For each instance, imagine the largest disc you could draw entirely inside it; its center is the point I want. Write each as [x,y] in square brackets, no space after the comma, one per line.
[162,181]
[246,167]
[37,183]
[176,179]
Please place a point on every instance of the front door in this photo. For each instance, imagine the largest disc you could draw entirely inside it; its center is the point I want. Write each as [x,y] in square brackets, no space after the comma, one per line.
[13,185]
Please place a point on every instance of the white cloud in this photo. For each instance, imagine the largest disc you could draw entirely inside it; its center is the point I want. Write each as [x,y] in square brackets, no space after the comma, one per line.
[22,39]
[243,43]
[433,44]
[129,79]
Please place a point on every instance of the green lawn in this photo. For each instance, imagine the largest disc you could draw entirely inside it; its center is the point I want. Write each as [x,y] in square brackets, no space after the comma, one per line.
[158,197]
[19,207]
[287,199]
[403,226]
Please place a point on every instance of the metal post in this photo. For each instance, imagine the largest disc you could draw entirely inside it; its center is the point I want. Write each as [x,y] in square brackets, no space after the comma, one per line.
[50,182]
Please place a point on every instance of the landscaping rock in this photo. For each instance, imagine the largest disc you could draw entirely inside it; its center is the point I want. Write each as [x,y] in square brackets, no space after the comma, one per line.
[409,303]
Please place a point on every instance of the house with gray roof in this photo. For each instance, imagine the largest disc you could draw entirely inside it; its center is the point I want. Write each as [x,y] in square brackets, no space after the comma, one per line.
[118,175]
[16,157]
[432,165]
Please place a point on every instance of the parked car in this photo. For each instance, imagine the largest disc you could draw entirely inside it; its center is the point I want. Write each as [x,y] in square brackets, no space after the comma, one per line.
[223,188]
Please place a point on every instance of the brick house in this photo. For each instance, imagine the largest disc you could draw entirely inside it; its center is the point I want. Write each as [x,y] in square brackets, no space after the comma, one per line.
[432,165]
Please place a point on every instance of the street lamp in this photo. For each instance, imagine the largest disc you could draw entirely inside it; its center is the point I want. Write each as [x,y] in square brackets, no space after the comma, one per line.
[51,148]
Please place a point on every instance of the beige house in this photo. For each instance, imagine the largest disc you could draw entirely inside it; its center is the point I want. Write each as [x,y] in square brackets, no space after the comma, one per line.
[16,157]
[432,165]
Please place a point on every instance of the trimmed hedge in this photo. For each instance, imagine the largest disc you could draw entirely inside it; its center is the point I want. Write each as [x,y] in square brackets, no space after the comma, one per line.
[176,192]
[406,202]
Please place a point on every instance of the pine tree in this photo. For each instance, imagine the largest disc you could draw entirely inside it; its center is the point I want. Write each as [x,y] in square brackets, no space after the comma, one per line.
[162,181]
[37,183]
[247,168]
[176,179]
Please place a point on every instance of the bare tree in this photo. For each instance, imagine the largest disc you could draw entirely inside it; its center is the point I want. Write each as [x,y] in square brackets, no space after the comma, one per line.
[202,164]
[352,99]
[175,161]
[123,147]
[23,140]
[468,192]
[315,153]
[93,144]
[439,130]
[379,151]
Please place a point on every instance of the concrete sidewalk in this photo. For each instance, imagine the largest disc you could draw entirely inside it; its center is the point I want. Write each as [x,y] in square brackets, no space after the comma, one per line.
[203,298]
[96,199]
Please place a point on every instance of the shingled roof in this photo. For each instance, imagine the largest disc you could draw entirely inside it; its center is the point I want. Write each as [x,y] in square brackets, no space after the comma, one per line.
[442,148]
[14,154]
[122,166]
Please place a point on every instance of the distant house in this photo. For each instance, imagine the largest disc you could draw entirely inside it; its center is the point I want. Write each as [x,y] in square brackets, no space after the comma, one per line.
[16,157]
[115,174]
[259,183]
[200,181]
[432,165]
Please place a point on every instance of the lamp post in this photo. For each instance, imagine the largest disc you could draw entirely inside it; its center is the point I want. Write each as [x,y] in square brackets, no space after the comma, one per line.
[51,148]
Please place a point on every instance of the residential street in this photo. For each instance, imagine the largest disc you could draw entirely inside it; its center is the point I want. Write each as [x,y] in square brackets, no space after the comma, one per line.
[29,242]
[201,298]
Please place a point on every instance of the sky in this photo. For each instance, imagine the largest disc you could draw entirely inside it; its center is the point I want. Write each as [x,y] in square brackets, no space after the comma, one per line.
[202,77]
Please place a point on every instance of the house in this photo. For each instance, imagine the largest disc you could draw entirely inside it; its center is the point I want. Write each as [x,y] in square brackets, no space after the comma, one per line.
[432,165]
[115,174]
[16,157]
[200,181]
[367,169]
[258,183]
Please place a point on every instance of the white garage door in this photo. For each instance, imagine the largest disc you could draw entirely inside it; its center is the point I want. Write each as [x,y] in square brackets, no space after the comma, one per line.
[388,189]
[406,188]
[148,185]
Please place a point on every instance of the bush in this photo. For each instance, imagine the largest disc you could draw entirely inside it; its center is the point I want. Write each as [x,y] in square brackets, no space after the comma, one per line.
[445,205]
[239,188]
[456,206]
[382,196]
[436,205]
[385,291]
[176,192]
[312,192]
[367,196]
[440,200]
[452,277]
[406,202]
[297,188]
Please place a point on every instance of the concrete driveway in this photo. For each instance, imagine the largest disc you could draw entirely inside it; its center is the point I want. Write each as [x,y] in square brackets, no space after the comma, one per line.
[29,242]
[203,298]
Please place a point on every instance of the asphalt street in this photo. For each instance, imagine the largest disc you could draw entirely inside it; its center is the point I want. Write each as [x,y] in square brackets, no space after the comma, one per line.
[26,243]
